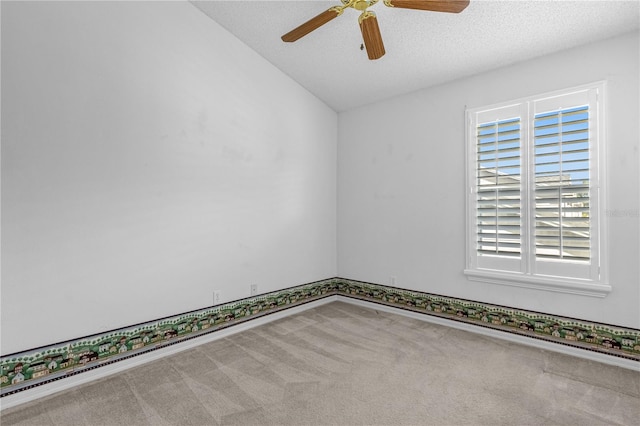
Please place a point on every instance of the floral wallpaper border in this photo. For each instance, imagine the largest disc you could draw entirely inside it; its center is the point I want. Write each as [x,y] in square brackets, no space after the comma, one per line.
[25,370]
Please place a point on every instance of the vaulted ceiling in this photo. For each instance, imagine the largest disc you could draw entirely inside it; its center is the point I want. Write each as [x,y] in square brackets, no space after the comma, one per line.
[422,48]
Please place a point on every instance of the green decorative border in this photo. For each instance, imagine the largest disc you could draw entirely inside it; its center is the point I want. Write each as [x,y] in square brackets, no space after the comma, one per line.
[607,339]
[24,370]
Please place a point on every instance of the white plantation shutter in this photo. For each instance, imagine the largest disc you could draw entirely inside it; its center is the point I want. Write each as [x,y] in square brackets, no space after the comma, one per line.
[562,220]
[498,187]
[535,214]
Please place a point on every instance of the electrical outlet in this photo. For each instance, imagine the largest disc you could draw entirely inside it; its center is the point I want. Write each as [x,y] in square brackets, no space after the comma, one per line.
[254,289]
[392,280]
[216,297]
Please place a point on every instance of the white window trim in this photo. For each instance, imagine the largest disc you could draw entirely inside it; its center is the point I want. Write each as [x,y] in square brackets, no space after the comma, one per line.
[598,287]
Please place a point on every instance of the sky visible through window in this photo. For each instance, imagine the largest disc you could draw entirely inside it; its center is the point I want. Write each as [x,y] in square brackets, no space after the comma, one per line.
[561,145]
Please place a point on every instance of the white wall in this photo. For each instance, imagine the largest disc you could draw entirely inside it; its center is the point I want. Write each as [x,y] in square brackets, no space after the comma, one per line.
[401,182]
[148,158]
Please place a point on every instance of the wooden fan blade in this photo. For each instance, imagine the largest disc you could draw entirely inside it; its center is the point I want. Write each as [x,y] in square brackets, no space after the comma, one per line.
[450,6]
[371,35]
[312,24]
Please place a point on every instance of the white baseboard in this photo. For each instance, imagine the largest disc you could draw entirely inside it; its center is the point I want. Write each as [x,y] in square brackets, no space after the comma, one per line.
[511,337]
[47,389]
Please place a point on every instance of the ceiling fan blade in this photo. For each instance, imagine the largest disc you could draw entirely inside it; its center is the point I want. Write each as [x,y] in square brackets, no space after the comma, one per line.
[371,35]
[450,6]
[312,24]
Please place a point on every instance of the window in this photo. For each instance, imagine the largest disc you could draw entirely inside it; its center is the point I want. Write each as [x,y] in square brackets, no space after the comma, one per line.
[535,192]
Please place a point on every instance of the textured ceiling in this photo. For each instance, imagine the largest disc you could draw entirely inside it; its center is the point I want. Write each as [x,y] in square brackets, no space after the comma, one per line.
[423,48]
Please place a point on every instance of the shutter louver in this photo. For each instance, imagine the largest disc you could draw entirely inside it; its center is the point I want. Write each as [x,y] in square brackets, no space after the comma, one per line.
[562,215]
[498,220]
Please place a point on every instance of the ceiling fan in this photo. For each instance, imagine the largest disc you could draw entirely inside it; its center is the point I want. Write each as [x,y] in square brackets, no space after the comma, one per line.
[368,21]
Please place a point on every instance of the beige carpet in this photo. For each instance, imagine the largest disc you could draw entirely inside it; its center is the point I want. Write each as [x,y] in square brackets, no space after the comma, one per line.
[343,364]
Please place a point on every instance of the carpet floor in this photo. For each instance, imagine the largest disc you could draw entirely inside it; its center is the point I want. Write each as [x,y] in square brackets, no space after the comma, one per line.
[341,364]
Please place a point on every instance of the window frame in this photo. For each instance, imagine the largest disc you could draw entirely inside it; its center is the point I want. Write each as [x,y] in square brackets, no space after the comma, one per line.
[526,270]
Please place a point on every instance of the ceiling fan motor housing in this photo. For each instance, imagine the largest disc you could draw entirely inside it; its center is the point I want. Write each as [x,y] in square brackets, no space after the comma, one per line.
[362,4]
